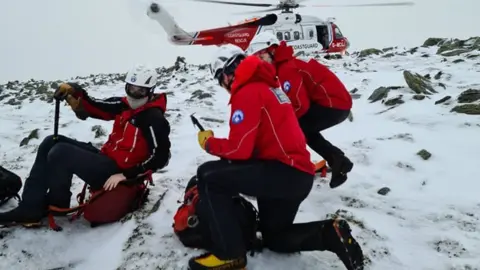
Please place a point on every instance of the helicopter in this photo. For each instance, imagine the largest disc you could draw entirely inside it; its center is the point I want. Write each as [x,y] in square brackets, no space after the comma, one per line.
[305,33]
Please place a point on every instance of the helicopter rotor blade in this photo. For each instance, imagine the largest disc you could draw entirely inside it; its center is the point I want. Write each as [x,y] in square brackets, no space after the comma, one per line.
[237,3]
[258,11]
[368,5]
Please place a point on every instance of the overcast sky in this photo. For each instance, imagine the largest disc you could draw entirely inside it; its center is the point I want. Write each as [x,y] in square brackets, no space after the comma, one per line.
[56,39]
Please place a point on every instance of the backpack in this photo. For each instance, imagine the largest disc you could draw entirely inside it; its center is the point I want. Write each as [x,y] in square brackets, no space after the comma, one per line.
[10,185]
[103,207]
[194,232]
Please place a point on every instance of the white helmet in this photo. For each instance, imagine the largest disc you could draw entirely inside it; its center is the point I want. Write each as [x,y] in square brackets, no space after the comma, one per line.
[140,82]
[262,41]
[142,76]
[222,55]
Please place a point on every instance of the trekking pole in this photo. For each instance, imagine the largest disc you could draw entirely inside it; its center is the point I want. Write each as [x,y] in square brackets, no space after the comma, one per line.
[196,122]
[56,119]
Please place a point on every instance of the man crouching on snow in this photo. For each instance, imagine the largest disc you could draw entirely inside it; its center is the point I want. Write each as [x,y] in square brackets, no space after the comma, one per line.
[139,142]
[264,156]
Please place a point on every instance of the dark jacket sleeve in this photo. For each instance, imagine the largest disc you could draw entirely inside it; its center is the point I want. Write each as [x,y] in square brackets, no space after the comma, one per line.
[103,109]
[156,130]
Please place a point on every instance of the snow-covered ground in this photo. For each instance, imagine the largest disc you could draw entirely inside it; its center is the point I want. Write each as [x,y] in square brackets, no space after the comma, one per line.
[430,219]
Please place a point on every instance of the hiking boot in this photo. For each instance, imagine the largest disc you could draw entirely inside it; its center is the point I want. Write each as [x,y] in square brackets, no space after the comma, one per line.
[337,239]
[22,216]
[340,165]
[208,261]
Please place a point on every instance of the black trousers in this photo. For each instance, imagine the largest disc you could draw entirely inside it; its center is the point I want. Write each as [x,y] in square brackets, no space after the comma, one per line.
[319,118]
[279,189]
[56,163]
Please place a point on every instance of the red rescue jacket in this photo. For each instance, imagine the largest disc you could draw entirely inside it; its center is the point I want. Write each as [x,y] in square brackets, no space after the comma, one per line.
[139,140]
[262,123]
[306,82]
[126,143]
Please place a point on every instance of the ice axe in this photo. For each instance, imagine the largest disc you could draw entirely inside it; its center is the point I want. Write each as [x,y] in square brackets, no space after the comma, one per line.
[56,119]
[196,122]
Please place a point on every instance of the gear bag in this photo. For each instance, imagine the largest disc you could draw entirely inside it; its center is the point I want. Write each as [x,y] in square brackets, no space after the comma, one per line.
[103,207]
[193,231]
[10,185]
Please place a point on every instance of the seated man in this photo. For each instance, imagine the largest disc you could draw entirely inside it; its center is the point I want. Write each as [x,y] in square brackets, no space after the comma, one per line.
[139,142]
[264,156]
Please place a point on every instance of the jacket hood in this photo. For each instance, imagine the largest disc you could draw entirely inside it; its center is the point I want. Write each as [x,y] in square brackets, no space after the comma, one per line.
[283,53]
[253,69]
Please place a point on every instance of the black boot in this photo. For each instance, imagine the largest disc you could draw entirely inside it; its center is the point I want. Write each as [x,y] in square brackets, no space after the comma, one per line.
[340,165]
[332,235]
[23,215]
[337,239]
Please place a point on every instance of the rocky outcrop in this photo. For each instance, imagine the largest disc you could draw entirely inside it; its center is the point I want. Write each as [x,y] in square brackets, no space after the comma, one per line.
[418,83]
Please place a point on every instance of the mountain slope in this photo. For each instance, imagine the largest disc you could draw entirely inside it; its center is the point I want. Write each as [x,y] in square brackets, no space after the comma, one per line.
[428,217]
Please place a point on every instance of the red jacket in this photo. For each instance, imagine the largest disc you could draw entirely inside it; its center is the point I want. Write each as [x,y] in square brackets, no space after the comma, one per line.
[306,82]
[139,140]
[262,124]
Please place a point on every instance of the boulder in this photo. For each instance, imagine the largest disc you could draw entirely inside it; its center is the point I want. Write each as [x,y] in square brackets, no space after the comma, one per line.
[418,83]
[378,94]
[442,100]
[472,109]
[432,42]
[469,96]
[368,52]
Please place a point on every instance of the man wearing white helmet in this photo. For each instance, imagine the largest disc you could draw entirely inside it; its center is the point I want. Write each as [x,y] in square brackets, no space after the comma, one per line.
[264,156]
[319,98]
[139,142]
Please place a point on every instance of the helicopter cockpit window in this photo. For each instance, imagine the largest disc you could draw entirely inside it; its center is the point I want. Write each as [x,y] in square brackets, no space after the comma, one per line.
[338,33]
[280,35]
[296,35]
[288,36]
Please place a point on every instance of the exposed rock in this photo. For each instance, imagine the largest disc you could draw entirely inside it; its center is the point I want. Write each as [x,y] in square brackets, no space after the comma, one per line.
[424,154]
[354,90]
[394,101]
[383,191]
[33,135]
[469,96]
[368,52]
[432,42]
[456,52]
[99,131]
[199,94]
[456,61]
[350,116]
[212,120]
[473,56]
[388,55]
[442,85]
[356,96]
[454,47]
[378,94]
[405,166]
[418,83]
[473,109]
[419,97]
[387,49]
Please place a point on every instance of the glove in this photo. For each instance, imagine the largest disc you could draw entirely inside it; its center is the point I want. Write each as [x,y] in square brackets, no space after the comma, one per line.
[63,91]
[203,137]
[76,105]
